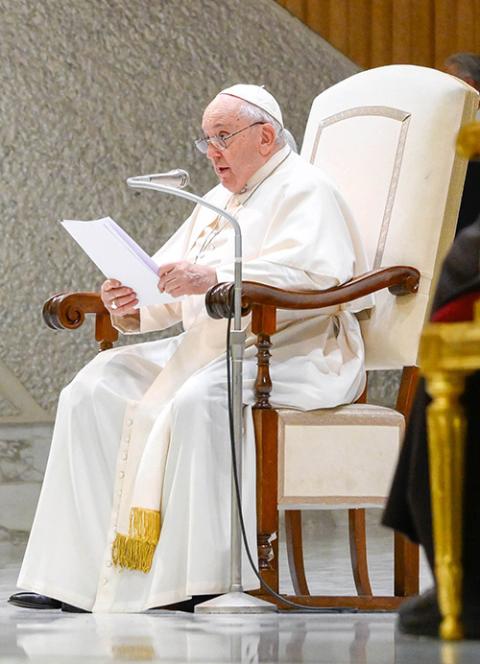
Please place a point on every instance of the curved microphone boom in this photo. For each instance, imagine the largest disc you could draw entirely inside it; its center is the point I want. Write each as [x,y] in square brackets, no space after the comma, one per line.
[175,178]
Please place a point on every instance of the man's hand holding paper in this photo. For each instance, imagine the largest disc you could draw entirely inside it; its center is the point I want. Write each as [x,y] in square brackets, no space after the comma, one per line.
[119,300]
[184,278]
[176,279]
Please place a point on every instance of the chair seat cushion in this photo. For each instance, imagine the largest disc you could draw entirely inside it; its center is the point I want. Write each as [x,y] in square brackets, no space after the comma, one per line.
[338,457]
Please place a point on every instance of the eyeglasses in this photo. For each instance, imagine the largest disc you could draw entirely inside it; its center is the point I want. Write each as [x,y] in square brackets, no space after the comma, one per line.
[220,142]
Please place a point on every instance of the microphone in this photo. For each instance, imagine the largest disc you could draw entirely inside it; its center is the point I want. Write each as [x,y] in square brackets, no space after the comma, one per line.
[176,178]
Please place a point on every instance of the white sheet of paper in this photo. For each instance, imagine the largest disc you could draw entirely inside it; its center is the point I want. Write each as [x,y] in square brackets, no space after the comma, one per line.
[119,257]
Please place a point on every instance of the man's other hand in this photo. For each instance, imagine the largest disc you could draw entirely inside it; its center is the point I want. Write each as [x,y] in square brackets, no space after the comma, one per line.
[118,299]
[183,278]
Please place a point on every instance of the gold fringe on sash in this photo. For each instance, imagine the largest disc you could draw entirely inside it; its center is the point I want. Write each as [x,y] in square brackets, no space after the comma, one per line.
[135,550]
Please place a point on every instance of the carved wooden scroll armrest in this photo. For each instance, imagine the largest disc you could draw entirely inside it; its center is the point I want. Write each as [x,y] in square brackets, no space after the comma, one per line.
[66,311]
[400,280]
[263,301]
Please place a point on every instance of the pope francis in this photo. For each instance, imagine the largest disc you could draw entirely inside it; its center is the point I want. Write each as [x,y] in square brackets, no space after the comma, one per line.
[134,511]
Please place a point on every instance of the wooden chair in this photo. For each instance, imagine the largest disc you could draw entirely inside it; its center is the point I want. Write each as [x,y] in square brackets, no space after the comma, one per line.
[386,136]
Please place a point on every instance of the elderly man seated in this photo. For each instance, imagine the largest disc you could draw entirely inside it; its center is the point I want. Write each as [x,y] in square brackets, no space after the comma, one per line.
[134,511]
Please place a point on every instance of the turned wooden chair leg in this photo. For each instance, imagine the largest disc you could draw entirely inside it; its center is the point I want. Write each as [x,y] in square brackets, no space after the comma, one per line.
[294,541]
[358,551]
[406,567]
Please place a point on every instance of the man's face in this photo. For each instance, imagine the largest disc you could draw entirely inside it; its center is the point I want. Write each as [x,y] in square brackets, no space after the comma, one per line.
[245,152]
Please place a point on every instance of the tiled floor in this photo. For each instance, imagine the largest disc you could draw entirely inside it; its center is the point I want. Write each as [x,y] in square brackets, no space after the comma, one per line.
[346,638]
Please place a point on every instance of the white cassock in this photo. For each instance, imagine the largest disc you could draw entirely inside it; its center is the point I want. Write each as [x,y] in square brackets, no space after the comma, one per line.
[296,234]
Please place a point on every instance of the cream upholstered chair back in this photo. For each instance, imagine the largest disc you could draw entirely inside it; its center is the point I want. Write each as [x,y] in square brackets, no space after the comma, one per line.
[386,137]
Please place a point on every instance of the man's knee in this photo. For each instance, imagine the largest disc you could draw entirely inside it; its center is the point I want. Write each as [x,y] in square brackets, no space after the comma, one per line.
[201,391]
[85,383]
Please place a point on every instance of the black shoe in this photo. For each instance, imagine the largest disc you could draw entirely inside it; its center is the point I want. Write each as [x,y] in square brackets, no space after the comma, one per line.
[69,608]
[187,605]
[29,600]
[421,616]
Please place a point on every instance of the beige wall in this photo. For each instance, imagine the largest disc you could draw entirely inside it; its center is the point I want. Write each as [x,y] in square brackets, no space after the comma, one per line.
[382,32]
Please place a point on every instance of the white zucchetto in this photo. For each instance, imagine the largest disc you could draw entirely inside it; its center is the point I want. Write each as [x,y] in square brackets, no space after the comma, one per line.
[258,96]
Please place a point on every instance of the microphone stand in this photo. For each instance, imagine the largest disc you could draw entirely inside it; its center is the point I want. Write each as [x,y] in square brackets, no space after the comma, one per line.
[236,600]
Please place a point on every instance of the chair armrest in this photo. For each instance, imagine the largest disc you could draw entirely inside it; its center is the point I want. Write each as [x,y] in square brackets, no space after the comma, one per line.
[400,280]
[67,311]
[263,301]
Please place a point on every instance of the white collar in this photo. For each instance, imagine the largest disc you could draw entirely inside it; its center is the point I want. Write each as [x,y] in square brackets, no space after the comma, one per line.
[263,172]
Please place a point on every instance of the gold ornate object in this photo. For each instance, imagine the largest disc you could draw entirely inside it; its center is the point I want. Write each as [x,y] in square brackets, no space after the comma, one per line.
[448,353]
[468,140]
[446,429]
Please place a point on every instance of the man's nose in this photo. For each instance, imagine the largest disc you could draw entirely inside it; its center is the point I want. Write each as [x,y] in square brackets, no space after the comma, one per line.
[213,152]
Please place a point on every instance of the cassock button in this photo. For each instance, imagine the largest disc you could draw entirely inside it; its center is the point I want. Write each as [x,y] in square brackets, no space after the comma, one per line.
[121,474]
[129,422]
[104,581]
[108,564]
[124,456]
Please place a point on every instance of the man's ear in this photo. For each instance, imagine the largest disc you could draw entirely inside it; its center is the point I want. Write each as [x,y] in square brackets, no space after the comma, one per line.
[267,141]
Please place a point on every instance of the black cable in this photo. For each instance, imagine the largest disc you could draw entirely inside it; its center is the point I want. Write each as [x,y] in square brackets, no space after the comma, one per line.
[264,585]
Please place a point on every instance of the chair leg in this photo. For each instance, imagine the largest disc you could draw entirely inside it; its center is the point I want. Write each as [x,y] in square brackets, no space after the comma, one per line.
[406,567]
[358,551]
[265,421]
[294,541]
